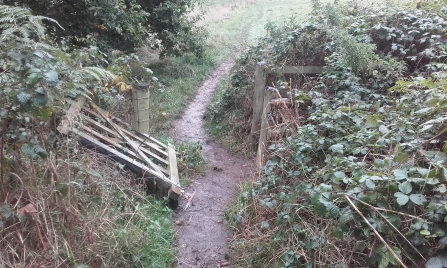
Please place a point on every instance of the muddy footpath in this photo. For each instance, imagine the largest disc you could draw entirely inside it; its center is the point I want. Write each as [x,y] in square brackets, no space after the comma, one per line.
[201,229]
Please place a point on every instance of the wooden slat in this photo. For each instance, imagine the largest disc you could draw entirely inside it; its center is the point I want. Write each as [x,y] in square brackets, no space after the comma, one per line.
[145,136]
[151,145]
[128,160]
[130,152]
[173,171]
[134,135]
[296,70]
[132,143]
[72,112]
[117,136]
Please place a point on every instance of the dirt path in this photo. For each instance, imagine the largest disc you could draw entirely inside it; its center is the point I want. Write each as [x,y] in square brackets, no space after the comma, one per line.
[202,234]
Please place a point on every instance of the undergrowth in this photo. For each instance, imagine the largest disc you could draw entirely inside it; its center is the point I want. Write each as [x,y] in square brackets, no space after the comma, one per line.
[63,206]
[355,169]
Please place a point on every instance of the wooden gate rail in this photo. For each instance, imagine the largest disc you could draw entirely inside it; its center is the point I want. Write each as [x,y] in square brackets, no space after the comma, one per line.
[261,103]
[138,151]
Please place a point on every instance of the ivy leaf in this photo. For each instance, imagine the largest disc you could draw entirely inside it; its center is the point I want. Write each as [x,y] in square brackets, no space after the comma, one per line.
[418,199]
[337,148]
[402,199]
[405,187]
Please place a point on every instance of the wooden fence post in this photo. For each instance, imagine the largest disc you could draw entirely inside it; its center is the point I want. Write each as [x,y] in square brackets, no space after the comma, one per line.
[269,95]
[140,100]
[258,102]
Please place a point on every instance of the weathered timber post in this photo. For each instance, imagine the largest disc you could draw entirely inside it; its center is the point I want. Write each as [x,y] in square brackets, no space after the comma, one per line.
[269,94]
[261,99]
[140,100]
[258,102]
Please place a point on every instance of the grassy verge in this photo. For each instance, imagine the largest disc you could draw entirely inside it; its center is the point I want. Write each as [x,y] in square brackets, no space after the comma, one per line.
[81,209]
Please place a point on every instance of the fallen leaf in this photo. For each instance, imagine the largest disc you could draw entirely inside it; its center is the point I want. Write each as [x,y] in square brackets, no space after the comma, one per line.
[30,208]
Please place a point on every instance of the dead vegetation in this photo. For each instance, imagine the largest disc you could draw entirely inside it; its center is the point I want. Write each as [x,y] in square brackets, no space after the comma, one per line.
[79,209]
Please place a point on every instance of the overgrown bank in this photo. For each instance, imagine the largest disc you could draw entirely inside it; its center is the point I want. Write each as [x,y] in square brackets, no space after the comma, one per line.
[61,205]
[359,179]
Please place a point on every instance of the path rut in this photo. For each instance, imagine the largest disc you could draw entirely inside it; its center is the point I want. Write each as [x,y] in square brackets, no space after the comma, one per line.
[202,236]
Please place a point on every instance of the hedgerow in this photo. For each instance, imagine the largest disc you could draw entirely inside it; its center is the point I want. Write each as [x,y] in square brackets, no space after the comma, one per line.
[361,180]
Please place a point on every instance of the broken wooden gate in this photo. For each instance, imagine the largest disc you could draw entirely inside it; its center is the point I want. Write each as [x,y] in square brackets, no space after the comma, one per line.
[262,98]
[138,151]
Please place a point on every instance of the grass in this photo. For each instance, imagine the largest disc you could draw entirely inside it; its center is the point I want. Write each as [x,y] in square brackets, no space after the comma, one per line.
[89,213]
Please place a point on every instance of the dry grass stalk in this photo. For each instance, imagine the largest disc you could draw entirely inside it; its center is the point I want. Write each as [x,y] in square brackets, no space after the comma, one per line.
[375,231]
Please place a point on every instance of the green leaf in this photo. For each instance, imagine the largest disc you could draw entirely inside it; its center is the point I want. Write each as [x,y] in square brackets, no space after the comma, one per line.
[402,199]
[345,217]
[315,198]
[269,204]
[434,262]
[383,260]
[320,208]
[405,187]
[334,211]
[51,78]
[424,232]
[23,97]
[339,175]
[337,148]
[370,184]
[6,213]
[337,233]
[400,174]
[418,199]
[391,257]
[394,220]
[383,129]
[62,188]
[432,181]
[265,225]
[82,266]
[399,158]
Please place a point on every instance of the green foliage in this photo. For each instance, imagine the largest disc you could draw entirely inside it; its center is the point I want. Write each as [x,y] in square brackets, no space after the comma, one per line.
[100,221]
[123,25]
[372,144]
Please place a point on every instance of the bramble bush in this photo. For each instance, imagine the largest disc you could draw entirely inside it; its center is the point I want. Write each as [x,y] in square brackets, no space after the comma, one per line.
[362,181]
